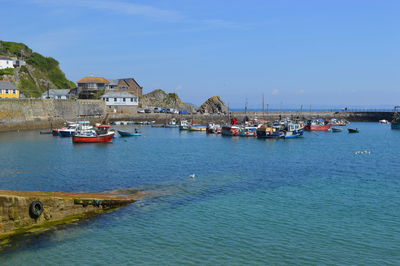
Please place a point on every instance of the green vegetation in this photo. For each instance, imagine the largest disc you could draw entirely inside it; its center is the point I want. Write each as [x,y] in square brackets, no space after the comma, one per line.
[40,74]
[7,71]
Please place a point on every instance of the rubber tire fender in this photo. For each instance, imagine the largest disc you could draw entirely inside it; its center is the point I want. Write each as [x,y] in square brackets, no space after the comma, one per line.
[36,209]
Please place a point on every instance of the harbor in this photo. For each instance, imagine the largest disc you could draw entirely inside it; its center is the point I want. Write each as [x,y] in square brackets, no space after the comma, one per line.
[326,176]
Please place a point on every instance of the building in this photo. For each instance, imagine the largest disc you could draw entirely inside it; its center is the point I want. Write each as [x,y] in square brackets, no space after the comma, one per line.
[56,94]
[125,85]
[8,90]
[88,87]
[121,101]
[6,62]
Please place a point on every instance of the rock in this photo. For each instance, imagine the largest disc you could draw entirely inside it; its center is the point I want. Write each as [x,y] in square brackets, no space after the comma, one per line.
[159,98]
[214,105]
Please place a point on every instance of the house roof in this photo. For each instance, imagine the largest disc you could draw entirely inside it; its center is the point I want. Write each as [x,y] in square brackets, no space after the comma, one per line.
[114,82]
[55,92]
[7,85]
[115,94]
[93,80]
[4,58]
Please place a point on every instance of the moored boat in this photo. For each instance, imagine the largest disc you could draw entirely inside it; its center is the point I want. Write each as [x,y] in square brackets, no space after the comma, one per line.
[317,125]
[197,127]
[292,130]
[352,130]
[184,125]
[248,131]
[230,130]
[100,135]
[129,134]
[335,129]
[214,128]
[269,132]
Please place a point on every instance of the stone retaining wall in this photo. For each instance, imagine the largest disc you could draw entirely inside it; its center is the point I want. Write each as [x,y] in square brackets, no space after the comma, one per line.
[21,114]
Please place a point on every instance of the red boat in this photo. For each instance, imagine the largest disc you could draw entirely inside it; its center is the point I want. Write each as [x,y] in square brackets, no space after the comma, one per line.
[317,125]
[94,136]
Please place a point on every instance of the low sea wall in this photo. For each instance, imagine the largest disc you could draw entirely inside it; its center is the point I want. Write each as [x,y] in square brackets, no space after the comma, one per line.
[362,116]
[20,114]
[32,211]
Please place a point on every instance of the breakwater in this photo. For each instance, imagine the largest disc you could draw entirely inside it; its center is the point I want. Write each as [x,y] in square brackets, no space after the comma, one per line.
[45,113]
[358,116]
[32,211]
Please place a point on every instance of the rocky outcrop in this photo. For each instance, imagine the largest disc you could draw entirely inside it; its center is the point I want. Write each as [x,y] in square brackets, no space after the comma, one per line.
[214,105]
[159,98]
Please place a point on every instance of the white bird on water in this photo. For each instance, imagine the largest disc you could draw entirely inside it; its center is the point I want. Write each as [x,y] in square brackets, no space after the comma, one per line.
[192,176]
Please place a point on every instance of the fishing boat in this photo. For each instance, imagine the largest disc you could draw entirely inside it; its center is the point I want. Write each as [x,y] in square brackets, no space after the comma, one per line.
[197,127]
[100,135]
[317,125]
[68,131]
[292,130]
[171,124]
[184,125]
[384,121]
[340,122]
[352,130]
[395,123]
[55,132]
[248,131]
[214,128]
[129,134]
[230,130]
[269,132]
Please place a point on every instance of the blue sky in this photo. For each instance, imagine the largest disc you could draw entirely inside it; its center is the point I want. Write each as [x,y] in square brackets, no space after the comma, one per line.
[324,53]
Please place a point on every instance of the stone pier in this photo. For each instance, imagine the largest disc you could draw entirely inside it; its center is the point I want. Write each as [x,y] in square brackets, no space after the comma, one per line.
[32,211]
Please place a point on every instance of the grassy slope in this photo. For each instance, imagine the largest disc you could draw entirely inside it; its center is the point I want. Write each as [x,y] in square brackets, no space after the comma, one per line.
[40,73]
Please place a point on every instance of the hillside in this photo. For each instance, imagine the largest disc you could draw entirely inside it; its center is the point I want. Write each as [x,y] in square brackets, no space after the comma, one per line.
[38,75]
[159,98]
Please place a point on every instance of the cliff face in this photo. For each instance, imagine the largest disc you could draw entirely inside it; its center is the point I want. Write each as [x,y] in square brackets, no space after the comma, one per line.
[159,98]
[213,105]
[38,75]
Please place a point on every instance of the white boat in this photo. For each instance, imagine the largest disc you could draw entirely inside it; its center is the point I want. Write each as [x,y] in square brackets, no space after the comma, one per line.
[384,121]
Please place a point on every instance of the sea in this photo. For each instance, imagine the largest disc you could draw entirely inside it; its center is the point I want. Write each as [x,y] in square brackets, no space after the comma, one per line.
[324,199]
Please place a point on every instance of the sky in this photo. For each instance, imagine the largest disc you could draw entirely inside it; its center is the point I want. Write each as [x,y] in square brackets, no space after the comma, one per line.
[294,52]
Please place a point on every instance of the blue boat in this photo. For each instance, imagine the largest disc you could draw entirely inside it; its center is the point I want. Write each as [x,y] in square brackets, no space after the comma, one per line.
[128,134]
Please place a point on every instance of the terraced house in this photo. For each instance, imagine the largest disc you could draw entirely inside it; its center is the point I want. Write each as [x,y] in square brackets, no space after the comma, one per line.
[8,90]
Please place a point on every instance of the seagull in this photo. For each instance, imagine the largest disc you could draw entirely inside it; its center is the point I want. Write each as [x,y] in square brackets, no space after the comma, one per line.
[192,176]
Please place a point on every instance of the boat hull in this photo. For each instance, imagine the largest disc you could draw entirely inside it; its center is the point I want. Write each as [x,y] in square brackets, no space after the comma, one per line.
[66,133]
[317,128]
[93,139]
[228,131]
[268,135]
[128,134]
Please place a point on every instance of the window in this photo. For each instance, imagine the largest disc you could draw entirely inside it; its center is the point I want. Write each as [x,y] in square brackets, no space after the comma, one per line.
[123,99]
[59,97]
[7,91]
[115,99]
[131,99]
[14,92]
[106,99]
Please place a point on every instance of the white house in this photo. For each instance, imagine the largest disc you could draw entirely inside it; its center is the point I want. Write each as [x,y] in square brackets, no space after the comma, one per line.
[120,99]
[6,62]
[56,94]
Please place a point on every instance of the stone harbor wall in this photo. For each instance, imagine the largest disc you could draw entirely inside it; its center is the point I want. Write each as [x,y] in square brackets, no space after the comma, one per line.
[30,211]
[44,113]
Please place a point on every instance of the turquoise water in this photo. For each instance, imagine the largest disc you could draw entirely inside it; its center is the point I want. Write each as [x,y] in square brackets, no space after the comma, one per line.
[300,201]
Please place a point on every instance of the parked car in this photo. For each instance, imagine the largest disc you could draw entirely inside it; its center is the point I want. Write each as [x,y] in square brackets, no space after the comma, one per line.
[141,111]
[157,110]
[147,111]
[163,110]
[172,111]
[184,112]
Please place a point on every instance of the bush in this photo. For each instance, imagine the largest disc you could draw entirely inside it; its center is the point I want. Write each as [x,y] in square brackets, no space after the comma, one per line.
[7,71]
